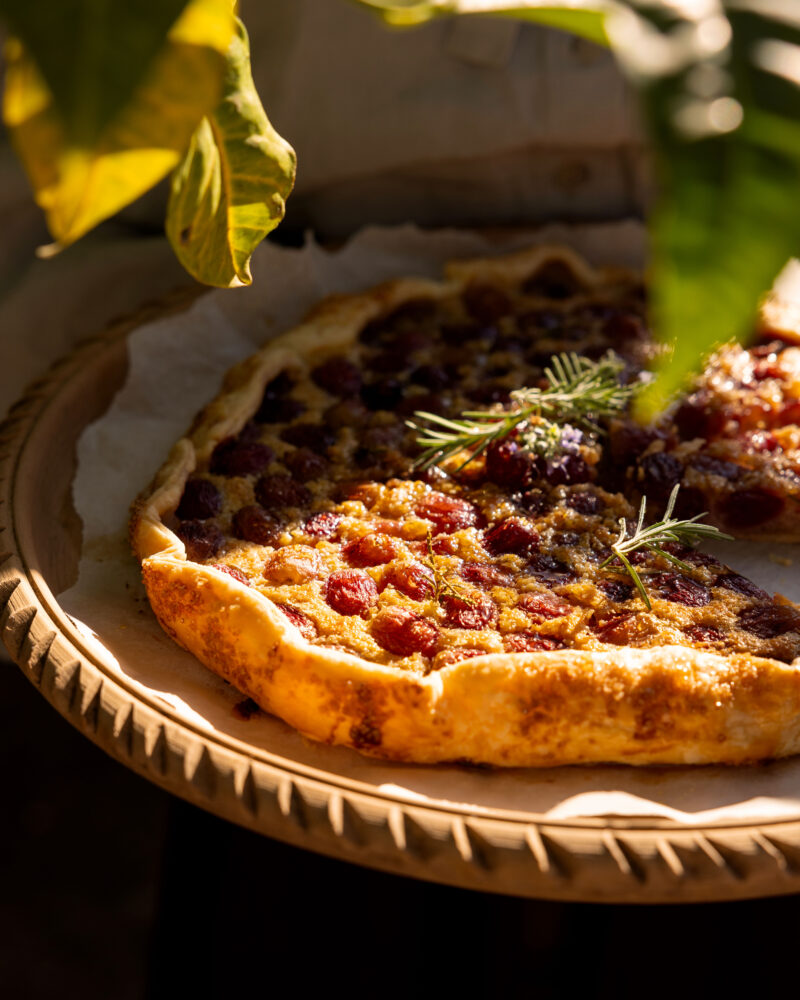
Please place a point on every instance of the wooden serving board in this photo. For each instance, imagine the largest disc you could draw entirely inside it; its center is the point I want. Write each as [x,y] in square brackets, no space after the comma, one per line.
[625,858]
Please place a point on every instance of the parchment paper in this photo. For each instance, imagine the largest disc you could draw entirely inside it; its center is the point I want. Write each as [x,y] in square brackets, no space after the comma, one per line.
[176,365]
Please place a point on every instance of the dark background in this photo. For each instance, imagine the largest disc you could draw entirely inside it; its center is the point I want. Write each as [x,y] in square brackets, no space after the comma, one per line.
[110,889]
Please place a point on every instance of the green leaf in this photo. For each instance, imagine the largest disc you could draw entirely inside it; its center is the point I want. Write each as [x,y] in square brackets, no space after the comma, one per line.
[78,182]
[404,13]
[581,17]
[92,54]
[728,216]
[230,189]
[721,94]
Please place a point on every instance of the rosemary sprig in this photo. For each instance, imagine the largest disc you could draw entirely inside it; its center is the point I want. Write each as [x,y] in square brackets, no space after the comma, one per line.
[579,392]
[653,537]
[440,584]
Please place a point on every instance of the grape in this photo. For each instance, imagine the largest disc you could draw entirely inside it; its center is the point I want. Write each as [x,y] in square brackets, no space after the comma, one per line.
[616,590]
[403,632]
[448,514]
[281,491]
[201,499]
[237,574]
[585,503]
[513,535]
[554,280]
[486,303]
[741,585]
[507,464]
[703,633]
[383,394]
[203,539]
[717,467]
[681,590]
[752,507]
[305,465]
[769,621]
[315,437]
[372,549]
[300,620]
[350,591]
[324,525]
[542,607]
[338,376]
[479,612]
[483,575]
[660,473]
[529,642]
[234,457]
[413,580]
[254,524]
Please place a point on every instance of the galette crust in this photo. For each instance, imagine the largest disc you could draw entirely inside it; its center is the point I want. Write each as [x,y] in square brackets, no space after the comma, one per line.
[668,705]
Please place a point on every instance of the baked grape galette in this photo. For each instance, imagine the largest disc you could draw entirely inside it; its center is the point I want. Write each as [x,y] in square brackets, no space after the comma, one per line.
[423,525]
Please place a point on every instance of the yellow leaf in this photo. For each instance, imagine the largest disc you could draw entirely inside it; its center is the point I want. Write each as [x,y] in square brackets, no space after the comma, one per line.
[582,17]
[230,189]
[77,185]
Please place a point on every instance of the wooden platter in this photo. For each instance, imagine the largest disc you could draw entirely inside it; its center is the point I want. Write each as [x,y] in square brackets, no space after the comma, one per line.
[634,859]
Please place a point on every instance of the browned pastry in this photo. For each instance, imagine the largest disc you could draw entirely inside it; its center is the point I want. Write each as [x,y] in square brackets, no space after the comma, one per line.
[291,544]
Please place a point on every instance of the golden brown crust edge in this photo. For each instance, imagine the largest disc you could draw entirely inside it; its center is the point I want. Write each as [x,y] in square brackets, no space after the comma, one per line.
[671,705]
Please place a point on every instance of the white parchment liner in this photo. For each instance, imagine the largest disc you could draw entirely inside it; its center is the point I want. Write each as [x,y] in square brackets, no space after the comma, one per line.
[176,365]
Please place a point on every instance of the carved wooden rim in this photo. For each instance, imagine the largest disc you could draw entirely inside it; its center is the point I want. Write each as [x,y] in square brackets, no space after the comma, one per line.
[623,859]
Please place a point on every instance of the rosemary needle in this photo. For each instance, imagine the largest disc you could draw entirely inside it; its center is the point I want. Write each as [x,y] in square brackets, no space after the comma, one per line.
[653,537]
[440,584]
[579,392]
